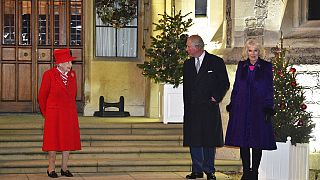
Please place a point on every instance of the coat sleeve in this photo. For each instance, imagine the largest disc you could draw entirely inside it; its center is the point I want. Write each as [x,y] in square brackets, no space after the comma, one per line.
[223,81]
[269,98]
[236,82]
[185,84]
[76,86]
[44,92]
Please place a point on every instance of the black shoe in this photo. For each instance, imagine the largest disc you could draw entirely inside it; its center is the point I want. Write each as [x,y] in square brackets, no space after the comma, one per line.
[211,176]
[52,174]
[254,175]
[66,173]
[247,175]
[194,175]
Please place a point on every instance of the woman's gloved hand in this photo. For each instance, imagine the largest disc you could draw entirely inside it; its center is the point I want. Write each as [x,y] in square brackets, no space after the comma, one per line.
[269,113]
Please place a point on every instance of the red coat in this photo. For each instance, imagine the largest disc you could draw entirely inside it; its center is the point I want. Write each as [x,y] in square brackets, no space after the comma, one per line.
[58,107]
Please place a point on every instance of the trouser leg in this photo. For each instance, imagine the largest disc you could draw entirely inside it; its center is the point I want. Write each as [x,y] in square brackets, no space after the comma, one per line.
[209,156]
[245,158]
[256,159]
[197,159]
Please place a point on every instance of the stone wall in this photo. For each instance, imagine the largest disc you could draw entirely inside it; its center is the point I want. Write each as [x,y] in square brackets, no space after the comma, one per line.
[308,76]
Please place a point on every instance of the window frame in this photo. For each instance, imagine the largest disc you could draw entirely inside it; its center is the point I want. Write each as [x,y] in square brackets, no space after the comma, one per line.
[206,8]
[138,37]
[301,19]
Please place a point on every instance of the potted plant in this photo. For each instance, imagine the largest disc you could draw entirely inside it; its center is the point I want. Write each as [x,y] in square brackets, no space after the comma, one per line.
[166,56]
[292,125]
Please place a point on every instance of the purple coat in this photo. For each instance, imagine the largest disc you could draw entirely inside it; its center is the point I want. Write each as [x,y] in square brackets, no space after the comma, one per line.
[252,92]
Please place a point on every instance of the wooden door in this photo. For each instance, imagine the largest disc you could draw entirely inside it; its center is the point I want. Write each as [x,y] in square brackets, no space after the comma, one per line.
[31,30]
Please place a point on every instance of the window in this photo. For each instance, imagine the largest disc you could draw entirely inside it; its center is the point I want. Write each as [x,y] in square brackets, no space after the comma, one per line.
[44,23]
[314,13]
[75,23]
[201,8]
[25,22]
[9,8]
[8,29]
[25,28]
[116,42]
[307,14]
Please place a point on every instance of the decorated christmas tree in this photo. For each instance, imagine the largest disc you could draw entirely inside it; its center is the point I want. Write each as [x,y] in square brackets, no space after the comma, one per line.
[167,51]
[291,118]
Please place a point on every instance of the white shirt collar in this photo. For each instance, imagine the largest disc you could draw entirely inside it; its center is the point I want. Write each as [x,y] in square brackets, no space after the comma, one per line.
[201,57]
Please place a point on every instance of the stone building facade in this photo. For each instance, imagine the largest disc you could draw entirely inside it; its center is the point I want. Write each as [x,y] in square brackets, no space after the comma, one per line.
[224,28]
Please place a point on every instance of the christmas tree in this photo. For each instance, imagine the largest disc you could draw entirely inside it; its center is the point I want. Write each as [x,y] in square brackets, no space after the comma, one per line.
[167,51]
[291,118]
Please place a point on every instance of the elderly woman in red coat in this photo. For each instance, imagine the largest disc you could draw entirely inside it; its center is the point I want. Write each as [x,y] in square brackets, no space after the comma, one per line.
[58,106]
[250,109]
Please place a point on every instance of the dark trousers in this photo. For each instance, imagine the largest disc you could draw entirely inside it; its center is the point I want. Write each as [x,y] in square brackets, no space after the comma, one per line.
[203,159]
[256,159]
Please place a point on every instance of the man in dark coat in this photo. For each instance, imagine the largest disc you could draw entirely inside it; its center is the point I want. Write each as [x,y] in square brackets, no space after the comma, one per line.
[205,83]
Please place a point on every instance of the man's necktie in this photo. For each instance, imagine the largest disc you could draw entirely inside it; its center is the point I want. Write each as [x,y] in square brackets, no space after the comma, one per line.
[197,64]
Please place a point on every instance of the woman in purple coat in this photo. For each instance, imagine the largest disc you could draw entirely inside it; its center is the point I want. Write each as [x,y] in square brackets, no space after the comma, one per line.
[251,108]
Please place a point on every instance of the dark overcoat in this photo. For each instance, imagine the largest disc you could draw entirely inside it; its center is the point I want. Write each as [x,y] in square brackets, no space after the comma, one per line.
[202,121]
[252,92]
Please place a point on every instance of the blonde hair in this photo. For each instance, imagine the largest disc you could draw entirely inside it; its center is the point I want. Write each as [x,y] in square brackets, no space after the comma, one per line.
[254,43]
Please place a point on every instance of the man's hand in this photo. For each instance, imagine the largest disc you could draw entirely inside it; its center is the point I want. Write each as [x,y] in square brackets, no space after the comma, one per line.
[228,107]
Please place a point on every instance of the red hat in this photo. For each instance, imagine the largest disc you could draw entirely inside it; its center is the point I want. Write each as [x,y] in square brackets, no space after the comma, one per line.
[62,55]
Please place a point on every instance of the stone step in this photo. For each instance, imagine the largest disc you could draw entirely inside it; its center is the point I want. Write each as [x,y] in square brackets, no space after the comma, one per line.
[124,137]
[38,144]
[7,154]
[89,125]
[91,129]
[107,146]
[113,165]
[96,140]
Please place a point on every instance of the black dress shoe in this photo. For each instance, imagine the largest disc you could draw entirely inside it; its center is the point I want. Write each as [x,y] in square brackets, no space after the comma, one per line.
[254,175]
[66,173]
[194,175]
[52,174]
[211,176]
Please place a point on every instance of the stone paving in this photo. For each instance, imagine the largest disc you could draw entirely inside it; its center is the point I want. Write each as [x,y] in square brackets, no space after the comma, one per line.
[113,176]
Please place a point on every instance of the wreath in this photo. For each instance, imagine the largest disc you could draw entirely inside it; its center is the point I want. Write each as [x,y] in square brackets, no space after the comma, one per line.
[117,13]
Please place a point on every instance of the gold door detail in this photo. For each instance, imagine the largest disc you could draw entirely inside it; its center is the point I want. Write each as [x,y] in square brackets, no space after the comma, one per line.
[30,31]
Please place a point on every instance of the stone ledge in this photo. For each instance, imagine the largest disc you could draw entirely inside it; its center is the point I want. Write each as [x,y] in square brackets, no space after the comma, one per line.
[295,55]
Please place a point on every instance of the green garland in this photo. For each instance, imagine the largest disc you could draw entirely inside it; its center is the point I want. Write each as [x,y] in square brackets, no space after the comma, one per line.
[118,13]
